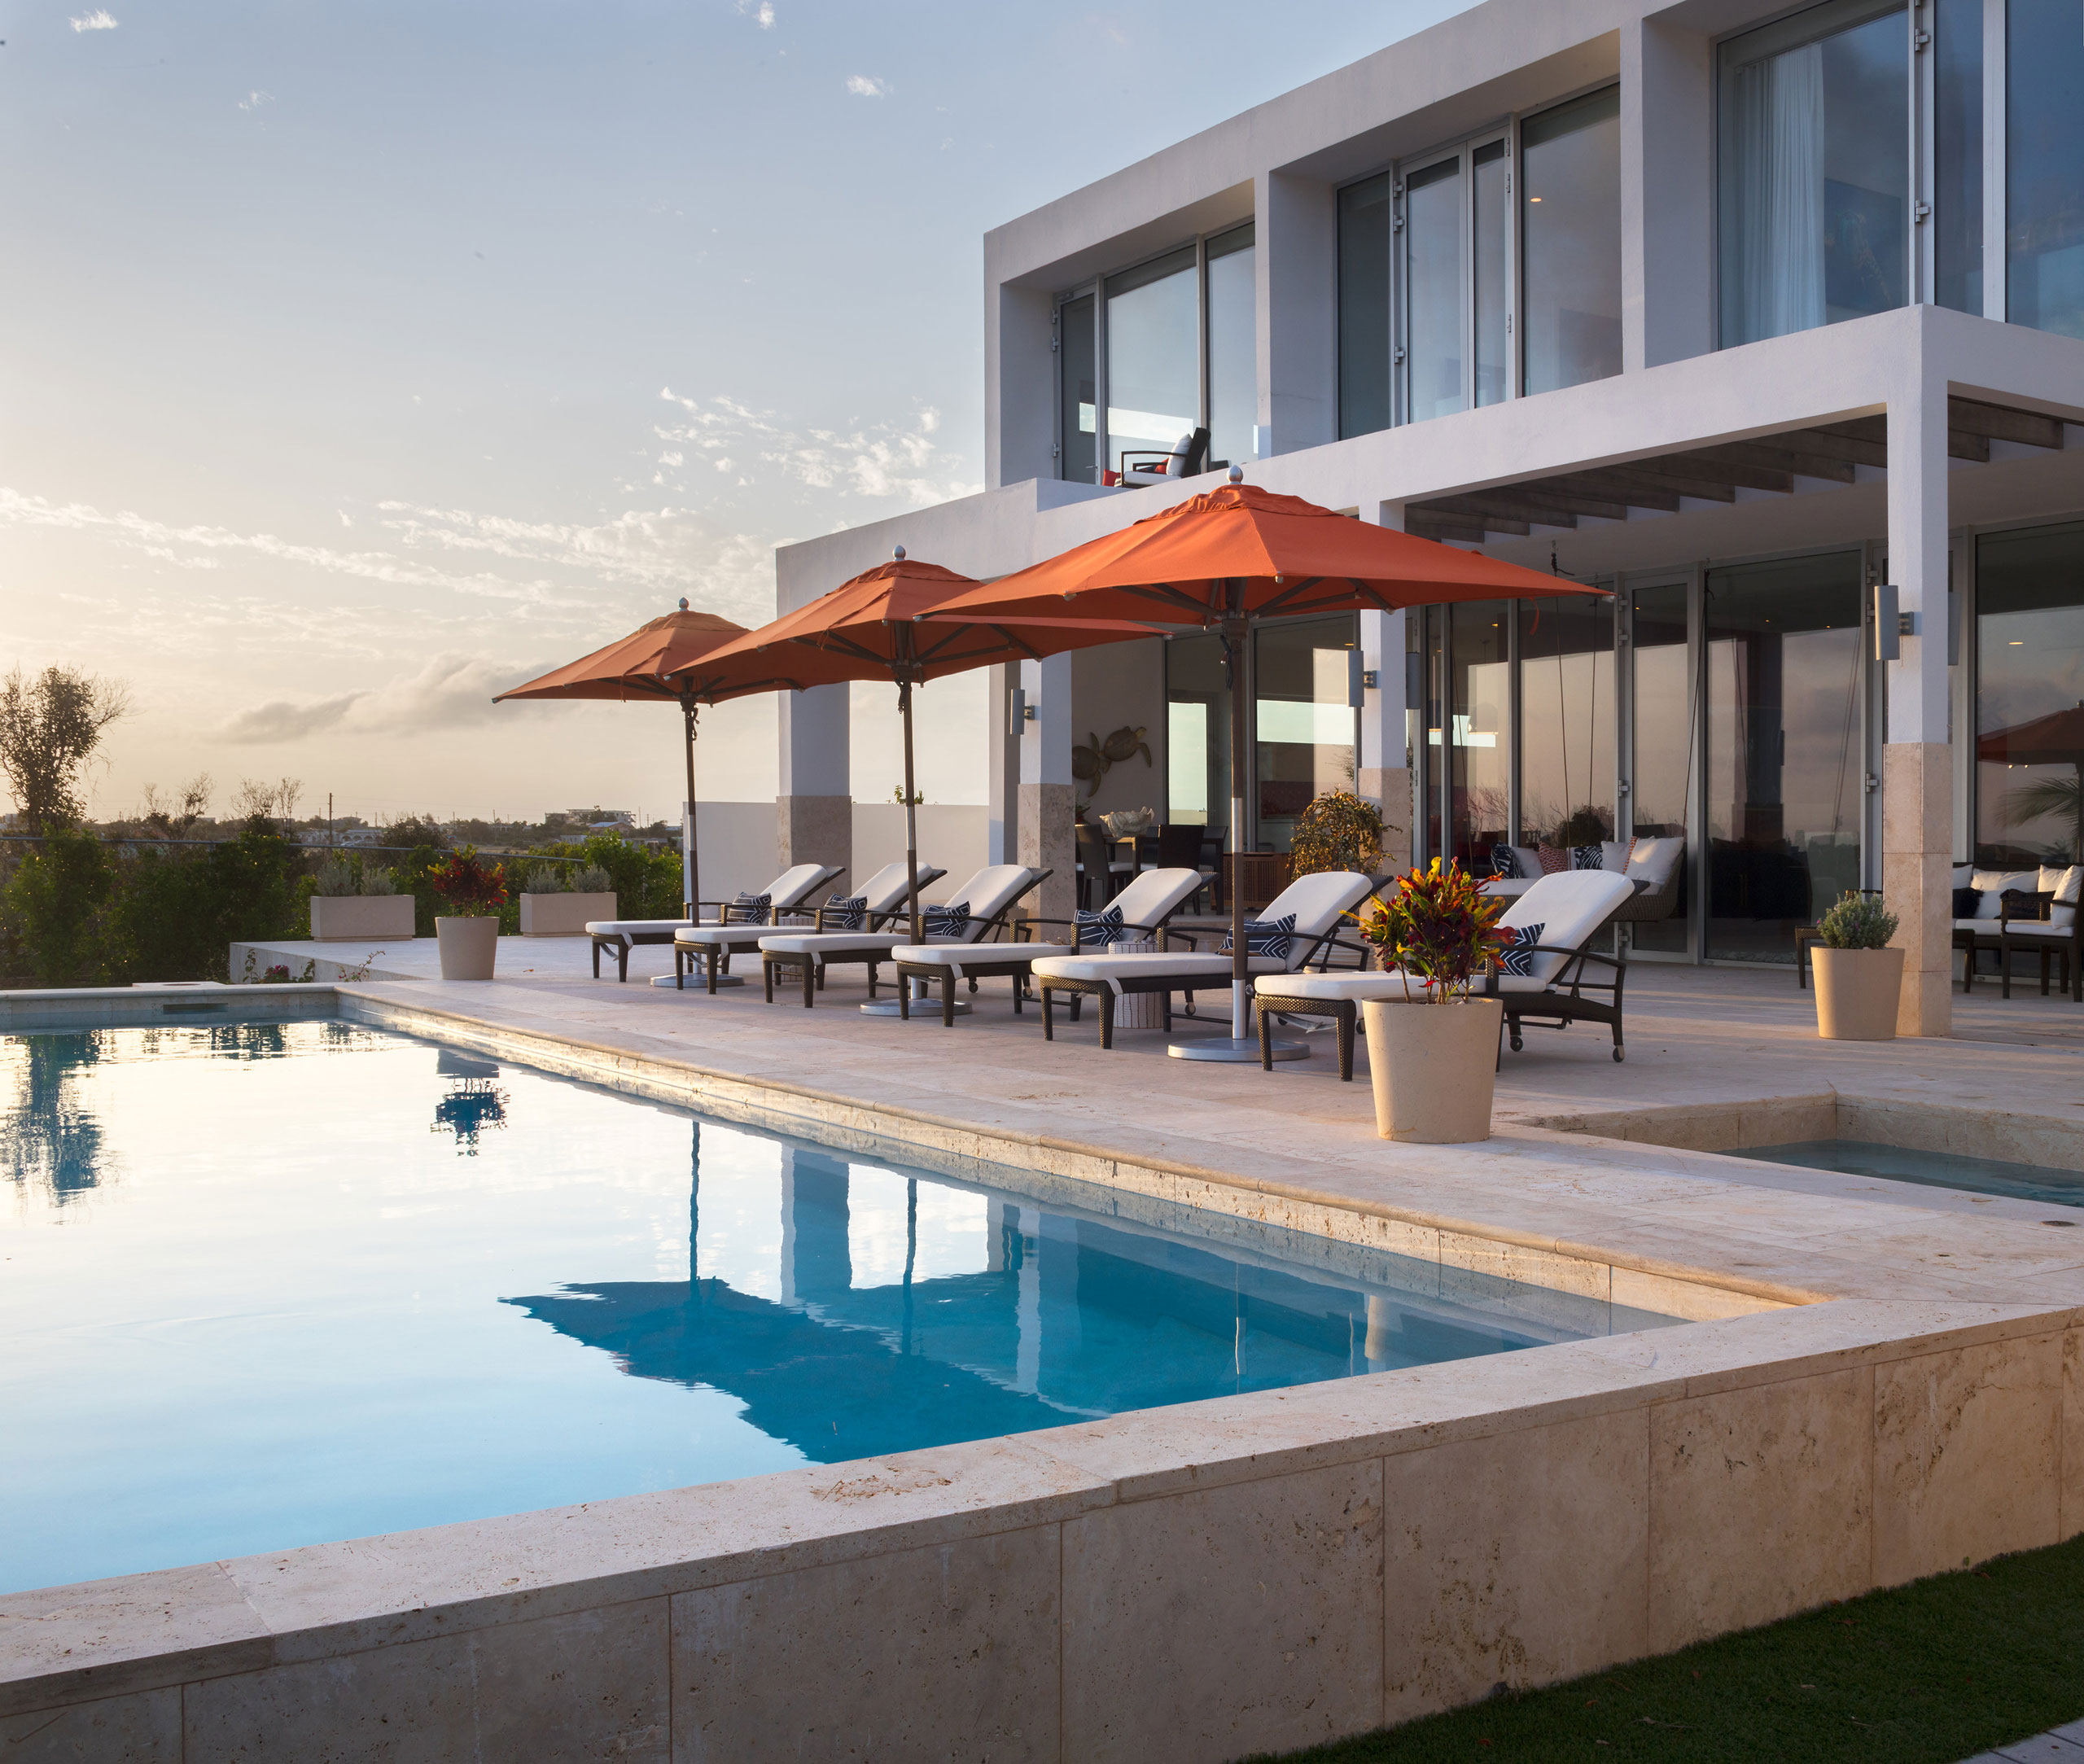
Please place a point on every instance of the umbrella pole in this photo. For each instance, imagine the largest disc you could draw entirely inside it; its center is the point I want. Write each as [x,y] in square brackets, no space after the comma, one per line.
[911,812]
[693,900]
[1240,962]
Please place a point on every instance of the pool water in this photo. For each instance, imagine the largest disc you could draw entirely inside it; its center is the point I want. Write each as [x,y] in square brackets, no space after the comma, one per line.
[1938,1169]
[269,1285]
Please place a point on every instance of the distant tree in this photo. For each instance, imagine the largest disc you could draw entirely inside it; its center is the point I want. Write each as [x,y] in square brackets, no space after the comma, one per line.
[170,820]
[416,830]
[270,802]
[49,727]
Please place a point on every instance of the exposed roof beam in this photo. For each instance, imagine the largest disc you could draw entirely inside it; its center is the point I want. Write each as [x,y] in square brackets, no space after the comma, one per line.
[2000,423]
[1783,454]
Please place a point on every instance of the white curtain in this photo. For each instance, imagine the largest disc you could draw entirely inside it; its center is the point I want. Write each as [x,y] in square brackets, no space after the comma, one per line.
[1779,182]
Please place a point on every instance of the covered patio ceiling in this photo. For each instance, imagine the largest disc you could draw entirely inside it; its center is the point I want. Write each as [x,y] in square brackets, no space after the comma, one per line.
[1833,453]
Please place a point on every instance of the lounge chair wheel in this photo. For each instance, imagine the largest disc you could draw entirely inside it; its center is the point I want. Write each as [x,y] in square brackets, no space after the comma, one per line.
[1516,1039]
[1619,1055]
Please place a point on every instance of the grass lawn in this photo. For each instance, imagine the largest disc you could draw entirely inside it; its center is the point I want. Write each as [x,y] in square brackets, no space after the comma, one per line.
[1927,1674]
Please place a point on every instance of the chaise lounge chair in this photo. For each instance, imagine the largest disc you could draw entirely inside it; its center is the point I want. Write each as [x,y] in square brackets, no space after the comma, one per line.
[740,927]
[1572,907]
[785,894]
[989,894]
[1145,905]
[1318,902]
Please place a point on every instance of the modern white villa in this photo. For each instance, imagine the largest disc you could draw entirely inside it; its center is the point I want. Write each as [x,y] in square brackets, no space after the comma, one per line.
[1754,314]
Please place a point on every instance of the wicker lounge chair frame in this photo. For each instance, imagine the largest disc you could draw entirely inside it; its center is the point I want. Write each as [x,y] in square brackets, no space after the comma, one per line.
[1012,965]
[715,955]
[813,965]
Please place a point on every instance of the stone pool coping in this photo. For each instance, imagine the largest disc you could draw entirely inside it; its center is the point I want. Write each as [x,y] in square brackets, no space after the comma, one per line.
[1347,1553]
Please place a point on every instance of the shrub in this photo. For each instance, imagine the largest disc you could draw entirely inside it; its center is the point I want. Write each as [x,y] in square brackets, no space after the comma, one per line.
[55,907]
[469,886]
[336,877]
[176,914]
[591,879]
[544,879]
[1857,921]
[1337,831]
[376,880]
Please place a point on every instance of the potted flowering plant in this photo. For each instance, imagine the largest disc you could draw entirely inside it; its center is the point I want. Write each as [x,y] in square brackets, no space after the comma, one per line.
[1859,979]
[468,935]
[1432,1054]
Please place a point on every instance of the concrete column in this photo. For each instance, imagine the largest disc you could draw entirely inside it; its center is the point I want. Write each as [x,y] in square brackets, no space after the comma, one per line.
[815,809]
[1917,780]
[1297,271]
[1047,794]
[1380,775]
[1002,768]
[1667,162]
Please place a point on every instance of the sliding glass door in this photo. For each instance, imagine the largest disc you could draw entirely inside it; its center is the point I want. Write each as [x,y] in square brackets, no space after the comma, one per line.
[1663,745]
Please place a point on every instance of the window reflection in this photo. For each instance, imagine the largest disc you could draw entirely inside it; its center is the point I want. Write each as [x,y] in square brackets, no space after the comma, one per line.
[1198,732]
[1958,191]
[1154,375]
[1570,302]
[1493,226]
[1479,732]
[2044,175]
[1785,799]
[1814,171]
[1078,389]
[1233,369]
[1305,732]
[1661,714]
[1566,721]
[1365,234]
[1433,290]
[2029,693]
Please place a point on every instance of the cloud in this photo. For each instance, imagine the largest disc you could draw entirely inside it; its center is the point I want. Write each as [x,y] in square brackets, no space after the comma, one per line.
[255,100]
[862,86]
[884,461]
[100,20]
[453,691]
[762,15]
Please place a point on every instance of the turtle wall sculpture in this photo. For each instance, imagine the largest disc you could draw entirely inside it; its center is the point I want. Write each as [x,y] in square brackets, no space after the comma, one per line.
[1091,763]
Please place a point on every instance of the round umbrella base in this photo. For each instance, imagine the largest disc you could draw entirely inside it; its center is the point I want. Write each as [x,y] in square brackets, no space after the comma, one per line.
[921,1008]
[697,983]
[1242,1051]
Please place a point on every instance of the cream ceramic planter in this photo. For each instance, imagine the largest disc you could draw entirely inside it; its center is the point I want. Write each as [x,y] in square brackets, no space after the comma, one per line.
[563,915]
[469,947]
[1433,1066]
[361,918]
[1857,992]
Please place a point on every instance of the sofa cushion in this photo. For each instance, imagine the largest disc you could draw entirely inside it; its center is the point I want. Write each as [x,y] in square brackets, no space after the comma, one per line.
[1653,861]
[1554,859]
[1526,861]
[1992,885]
[1966,903]
[1503,861]
[1588,856]
[1613,854]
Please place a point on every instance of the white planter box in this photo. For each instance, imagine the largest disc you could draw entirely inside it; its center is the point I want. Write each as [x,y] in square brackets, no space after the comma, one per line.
[563,915]
[361,918]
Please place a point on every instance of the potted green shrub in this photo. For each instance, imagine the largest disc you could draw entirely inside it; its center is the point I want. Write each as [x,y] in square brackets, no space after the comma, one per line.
[1859,979]
[468,935]
[357,903]
[1433,1054]
[557,899]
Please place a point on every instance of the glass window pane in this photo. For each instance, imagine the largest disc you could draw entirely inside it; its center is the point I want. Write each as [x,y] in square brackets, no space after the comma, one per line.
[1433,290]
[1198,732]
[1570,303]
[2044,175]
[1958,196]
[1815,175]
[1661,771]
[1153,370]
[1785,799]
[1363,307]
[1079,420]
[1303,727]
[2030,697]
[1494,217]
[1233,359]
[1567,719]
[1480,734]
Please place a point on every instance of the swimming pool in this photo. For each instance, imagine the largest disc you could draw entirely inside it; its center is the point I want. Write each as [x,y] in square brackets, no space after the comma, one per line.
[273,1283]
[1938,1169]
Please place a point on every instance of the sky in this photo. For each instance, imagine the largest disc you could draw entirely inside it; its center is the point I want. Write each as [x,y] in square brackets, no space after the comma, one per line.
[366,359]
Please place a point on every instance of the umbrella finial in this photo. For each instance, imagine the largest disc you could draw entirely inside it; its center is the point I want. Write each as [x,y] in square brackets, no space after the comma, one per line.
[683,603]
[901,553]
[1236,474]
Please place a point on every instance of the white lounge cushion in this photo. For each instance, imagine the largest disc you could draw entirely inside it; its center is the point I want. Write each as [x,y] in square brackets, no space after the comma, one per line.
[830,944]
[1201,974]
[638,927]
[1568,907]
[1155,895]
[2036,928]
[885,890]
[988,893]
[1317,900]
[1358,987]
[958,958]
[1991,885]
[1652,861]
[789,888]
[1510,887]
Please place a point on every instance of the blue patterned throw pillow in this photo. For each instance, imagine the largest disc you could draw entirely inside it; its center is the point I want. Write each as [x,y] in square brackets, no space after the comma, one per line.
[1502,862]
[1517,957]
[1273,937]
[845,913]
[947,922]
[751,908]
[1097,929]
[1587,857]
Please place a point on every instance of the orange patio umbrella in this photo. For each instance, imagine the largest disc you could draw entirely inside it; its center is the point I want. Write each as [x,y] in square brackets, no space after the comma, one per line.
[869,628]
[2056,739]
[656,662]
[1227,559]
